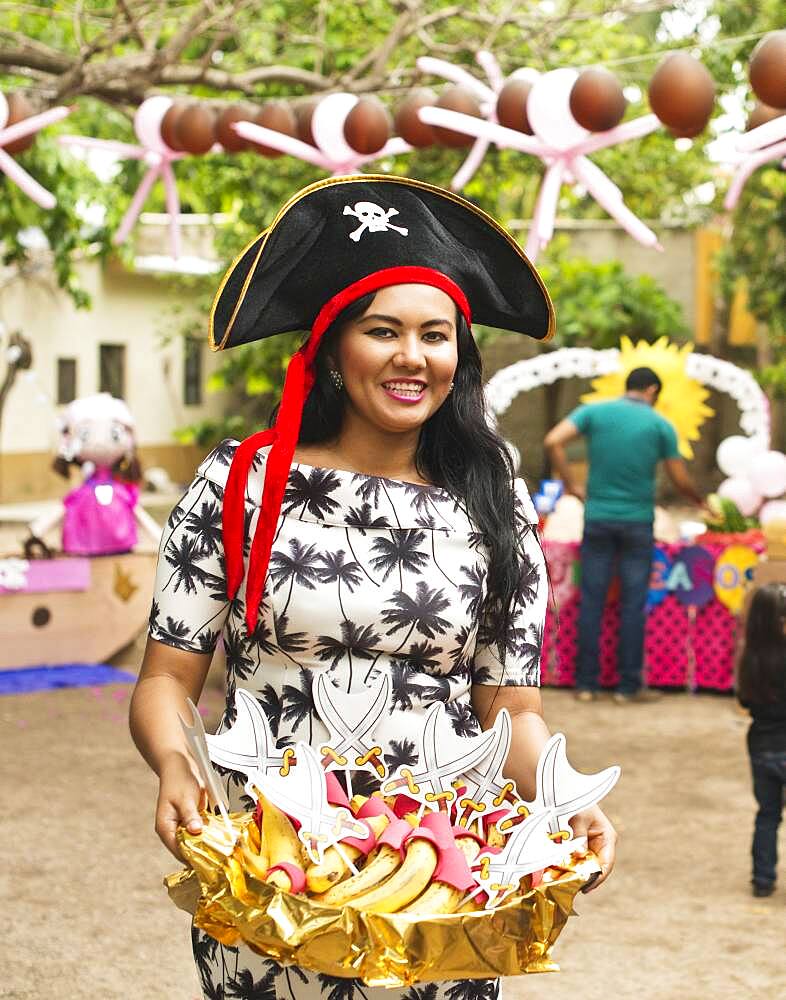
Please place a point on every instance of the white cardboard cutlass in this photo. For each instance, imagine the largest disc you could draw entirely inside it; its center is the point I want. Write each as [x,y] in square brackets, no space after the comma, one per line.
[196,740]
[298,790]
[351,720]
[485,782]
[561,792]
[442,756]
[248,746]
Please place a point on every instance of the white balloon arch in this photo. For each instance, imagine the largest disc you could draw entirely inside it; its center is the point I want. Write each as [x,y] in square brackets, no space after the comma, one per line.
[585,362]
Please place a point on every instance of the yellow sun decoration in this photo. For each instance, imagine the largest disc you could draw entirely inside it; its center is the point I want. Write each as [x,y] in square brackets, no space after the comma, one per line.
[682,399]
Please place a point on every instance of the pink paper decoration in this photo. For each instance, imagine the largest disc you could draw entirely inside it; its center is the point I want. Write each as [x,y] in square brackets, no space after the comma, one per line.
[559,141]
[8,164]
[332,152]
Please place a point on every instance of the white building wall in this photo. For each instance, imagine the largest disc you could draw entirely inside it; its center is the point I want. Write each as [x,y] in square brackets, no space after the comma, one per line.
[127,308]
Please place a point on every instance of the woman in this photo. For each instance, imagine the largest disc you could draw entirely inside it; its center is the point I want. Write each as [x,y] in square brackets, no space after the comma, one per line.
[375,527]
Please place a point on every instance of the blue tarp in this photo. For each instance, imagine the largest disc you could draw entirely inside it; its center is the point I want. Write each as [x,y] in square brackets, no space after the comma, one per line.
[69,675]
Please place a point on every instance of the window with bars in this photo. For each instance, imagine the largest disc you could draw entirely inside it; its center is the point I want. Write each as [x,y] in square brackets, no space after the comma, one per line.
[112,369]
[192,371]
[66,380]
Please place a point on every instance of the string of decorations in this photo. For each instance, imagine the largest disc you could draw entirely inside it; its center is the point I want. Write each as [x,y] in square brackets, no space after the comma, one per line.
[561,117]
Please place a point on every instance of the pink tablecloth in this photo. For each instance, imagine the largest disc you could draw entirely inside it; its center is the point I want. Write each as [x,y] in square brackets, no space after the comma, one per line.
[683,647]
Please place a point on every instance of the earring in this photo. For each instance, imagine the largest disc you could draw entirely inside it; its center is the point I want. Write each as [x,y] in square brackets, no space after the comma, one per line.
[336,379]
[450,387]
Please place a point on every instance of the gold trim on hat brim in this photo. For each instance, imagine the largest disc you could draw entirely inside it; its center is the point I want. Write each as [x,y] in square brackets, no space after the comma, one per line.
[262,239]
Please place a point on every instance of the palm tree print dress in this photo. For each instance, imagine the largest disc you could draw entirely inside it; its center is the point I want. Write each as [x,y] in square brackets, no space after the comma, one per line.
[366,575]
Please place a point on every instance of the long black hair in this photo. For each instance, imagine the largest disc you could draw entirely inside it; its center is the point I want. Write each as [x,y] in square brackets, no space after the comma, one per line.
[762,671]
[458,451]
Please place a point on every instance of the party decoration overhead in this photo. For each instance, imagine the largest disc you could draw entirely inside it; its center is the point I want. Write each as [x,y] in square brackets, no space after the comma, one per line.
[539,109]
[768,69]
[17,125]
[335,123]
[682,94]
[765,142]
[154,152]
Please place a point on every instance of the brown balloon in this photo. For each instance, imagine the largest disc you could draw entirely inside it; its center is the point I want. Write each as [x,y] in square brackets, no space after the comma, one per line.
[512,105]
[196,128]
[768,69]
[682,94]
[761,114]
[230,140]
[304,112]
[278,116]
[168,126]
[457,98]
[407,123]
[19,108]
[367,126]
[596,100]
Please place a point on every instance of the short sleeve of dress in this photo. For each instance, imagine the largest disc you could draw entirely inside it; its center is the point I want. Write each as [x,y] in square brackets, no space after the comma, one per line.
[528,613]
[190,603]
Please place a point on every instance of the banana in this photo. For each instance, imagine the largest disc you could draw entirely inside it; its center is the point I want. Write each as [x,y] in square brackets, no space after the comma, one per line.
[440,897]
[381,863]
[404,885]
[254,857]
[319,878]
[493,836]
[280,842]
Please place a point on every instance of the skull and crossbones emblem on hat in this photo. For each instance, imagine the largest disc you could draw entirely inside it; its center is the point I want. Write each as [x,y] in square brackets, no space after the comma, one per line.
[372,219]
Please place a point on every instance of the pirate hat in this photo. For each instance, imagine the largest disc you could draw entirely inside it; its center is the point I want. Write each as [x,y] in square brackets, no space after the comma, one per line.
[338,231]
[332,243]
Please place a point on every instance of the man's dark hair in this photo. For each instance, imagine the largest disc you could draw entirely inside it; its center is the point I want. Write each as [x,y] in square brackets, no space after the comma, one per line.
[642,378]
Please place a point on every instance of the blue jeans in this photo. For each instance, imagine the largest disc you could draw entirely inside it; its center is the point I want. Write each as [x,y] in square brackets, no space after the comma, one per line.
[628,546]
[769,781]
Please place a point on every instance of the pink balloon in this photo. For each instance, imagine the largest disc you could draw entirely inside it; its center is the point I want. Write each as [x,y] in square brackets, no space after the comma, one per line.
[327,124]
[548,110]
[773,510]
[742,493]
[768,474]
[147,122]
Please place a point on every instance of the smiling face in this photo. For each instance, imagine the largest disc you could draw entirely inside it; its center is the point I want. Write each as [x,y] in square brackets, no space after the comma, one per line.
[398,359]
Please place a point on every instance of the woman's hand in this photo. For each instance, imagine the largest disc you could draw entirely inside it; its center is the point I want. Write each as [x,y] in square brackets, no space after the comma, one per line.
[180,795]
[601,840]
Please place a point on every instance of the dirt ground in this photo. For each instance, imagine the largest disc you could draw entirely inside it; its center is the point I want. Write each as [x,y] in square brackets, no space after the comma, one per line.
[86,916]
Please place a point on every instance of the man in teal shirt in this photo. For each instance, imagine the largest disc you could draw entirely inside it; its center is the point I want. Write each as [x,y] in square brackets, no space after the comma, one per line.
[626,439]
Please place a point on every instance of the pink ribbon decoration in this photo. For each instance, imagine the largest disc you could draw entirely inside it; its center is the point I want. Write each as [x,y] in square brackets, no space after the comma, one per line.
[332,152]
[19,130]
[158,157]
[759,146]
[559,142]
